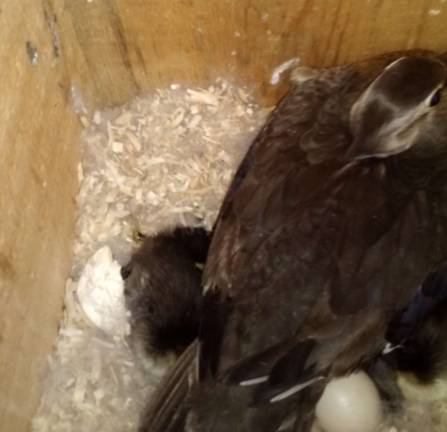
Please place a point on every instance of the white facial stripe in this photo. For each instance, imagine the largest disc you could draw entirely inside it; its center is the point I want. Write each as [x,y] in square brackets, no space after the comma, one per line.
[392,64]
[404,120]
[393,149]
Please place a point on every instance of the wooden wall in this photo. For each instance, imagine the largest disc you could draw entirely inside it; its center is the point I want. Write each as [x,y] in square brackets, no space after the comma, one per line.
[63,58]
[131,46]
[38,183]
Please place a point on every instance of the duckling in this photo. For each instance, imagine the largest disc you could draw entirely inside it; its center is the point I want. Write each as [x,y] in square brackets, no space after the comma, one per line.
[419,335]
[334,217]
[163,291]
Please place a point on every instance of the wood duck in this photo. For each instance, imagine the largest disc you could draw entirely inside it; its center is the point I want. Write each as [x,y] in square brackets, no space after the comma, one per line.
[332,221]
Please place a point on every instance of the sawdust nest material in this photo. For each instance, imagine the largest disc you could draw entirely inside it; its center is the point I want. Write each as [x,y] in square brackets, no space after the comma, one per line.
[163,160]
[159,161]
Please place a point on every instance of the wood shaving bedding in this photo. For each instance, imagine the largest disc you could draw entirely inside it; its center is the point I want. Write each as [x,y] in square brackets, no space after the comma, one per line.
[156,162]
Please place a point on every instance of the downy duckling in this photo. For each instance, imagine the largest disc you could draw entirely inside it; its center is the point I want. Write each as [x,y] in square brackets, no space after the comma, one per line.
[163,290]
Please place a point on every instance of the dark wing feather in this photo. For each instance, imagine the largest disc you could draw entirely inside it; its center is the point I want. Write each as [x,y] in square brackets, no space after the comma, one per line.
[167,410]
[292,257]
[256,198]
[306,237]
[275,207]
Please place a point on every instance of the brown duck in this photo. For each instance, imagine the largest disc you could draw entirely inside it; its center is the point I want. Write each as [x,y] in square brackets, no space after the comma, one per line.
[332,221]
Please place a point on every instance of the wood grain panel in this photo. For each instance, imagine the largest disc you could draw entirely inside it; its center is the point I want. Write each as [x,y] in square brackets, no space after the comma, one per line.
[38,183]
[132,46]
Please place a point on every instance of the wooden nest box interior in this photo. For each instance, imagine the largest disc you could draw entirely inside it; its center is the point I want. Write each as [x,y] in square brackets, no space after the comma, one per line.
[63,59]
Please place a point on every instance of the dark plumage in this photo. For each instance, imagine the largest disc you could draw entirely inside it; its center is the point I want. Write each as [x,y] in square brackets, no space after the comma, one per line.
[163,290]
[419,332]
[334,217]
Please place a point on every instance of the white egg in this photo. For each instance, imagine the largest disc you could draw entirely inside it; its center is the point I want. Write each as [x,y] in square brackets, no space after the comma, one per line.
[349,404]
